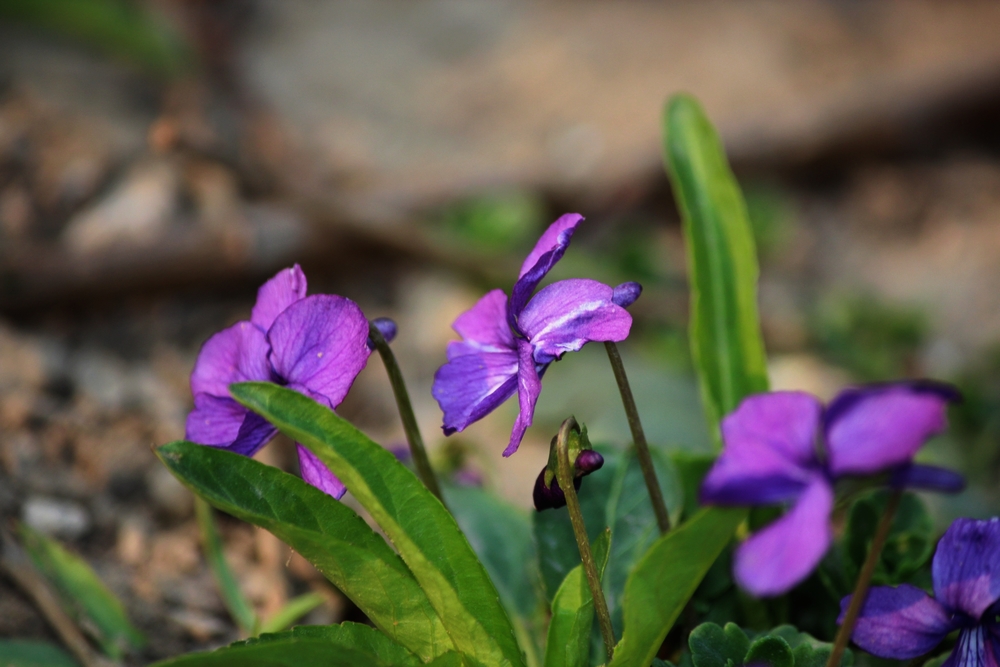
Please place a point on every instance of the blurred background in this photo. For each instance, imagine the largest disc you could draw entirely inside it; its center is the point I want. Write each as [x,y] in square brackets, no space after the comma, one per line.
[160,159]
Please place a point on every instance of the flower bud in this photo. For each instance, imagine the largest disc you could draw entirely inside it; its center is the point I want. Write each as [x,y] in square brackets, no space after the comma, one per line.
[625,294]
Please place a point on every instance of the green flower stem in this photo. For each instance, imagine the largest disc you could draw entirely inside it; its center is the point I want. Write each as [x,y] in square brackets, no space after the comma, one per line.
[564,475]
[413,437]
[238,606]
[639,438]
[864,579]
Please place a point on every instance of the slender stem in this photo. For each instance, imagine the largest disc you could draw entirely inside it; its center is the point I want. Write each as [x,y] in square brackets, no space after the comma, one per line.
[864,579]
[238,606]
[564,474]
[639,438]
[413,437]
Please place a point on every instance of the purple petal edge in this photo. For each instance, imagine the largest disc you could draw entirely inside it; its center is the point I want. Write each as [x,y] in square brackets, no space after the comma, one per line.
[966,566]
[899,623]
[929,478]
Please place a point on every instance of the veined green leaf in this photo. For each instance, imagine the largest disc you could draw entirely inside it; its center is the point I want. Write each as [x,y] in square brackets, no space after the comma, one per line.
[239,607]
[424,532]
[84,593]
[345,645]
[725,329]
[568,643]
[633,523]
[326,532]
[292,611]
[27,653]
[665,579]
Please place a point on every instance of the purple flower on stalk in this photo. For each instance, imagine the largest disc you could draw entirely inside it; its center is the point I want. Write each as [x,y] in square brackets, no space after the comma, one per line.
[905,622]
[783,447]
[507,344]
[315,345]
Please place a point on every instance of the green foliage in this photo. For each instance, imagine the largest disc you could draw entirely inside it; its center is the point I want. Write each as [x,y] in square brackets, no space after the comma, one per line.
[808,651]
[691,469]
[118,28]
[713,646]
[568,642]
[725,330]
[27,653]
[84,594]
[345,645]
[424,532]
[872,339]
[326,532]
[495,222]
[771,217]
[907,549]
[771,651]
[784,646]
[666,577]
[239,607]
[292,611]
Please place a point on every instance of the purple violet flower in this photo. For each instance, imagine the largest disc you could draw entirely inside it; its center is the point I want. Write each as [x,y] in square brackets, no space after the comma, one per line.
[507,344]
[782,447]
[905,622]
[315,345]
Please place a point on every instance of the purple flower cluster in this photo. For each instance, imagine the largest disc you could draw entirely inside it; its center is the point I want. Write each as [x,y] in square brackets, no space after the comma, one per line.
[507,344]
[783,447]
[315,345]
[905,622]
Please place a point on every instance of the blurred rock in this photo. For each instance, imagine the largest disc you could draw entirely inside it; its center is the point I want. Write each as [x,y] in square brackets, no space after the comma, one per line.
[136,213]
[198,624]
[57,518]
[169,496]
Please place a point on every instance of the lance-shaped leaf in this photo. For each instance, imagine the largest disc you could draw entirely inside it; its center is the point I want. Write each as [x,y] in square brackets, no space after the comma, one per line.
[238,605]
[424,532]
[345,645]
[722,262]
[326,532]
[665,579]
[84,593]
[568,643]
[29,653]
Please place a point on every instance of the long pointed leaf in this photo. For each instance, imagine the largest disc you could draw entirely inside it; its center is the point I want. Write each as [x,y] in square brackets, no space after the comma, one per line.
[722,262]
[424,532]
[665,579]
[239,607]
[326,532]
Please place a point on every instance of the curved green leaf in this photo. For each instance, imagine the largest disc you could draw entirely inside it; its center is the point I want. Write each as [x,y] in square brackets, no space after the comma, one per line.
[665,579]
[769,651]
[568,642]
[716,646]
[424,532]
[84,593]
[326,532]
[725,329]
[345,645]
[29,653]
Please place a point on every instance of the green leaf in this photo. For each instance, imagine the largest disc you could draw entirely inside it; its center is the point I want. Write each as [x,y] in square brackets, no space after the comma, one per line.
[424,532]
[568,642]
[557,550]
[771,651]
[725,330]
[450,659]
[714,646]
[808,651]
[27,653]
[292,611]
[691,468]
[345,645]
[239,607]
[908,547]
[665,579]
[326,532]
[84,593]
[633,524]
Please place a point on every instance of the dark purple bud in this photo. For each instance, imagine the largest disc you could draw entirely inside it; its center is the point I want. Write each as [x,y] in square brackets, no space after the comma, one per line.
[587,462]
[550,497]
[928,478]
[386,327]
[626,294]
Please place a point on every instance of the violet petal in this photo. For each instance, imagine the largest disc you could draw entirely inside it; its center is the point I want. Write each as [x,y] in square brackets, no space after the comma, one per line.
[549,250]
[899,623]
[776,558]
[568,314]
[966,567]
[483,327]
[220,421]
[277,294]
[876,428]
[930,478]
[975,648]
[471,386]
[529,386]
[316,473]
[320,343]
[769,453]
[236,354]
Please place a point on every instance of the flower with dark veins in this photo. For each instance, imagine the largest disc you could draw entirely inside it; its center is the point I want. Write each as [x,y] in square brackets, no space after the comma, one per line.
[783,447]
[904,622]
[315,345]
[507,344]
